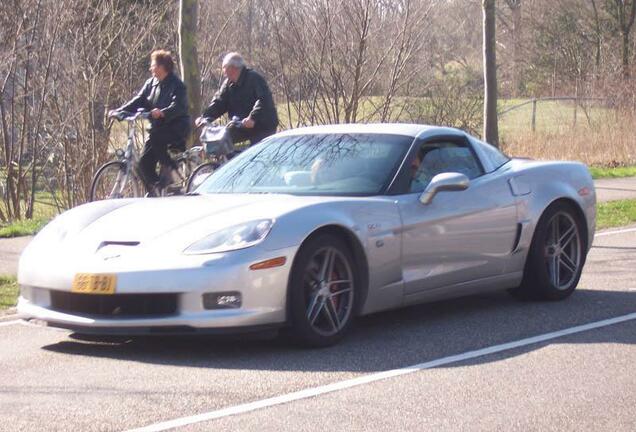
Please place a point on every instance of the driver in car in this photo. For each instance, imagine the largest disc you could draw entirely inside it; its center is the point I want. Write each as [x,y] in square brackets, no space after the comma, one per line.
[417,185]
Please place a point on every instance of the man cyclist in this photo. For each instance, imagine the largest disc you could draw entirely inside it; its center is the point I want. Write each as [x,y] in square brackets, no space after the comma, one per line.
[246,95]
[164,95]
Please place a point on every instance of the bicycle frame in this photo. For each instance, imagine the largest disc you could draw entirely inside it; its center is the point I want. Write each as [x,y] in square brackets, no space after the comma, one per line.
[128,158]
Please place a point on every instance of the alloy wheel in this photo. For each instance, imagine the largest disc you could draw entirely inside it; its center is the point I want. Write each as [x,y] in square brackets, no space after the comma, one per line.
[563,250]
[328,285]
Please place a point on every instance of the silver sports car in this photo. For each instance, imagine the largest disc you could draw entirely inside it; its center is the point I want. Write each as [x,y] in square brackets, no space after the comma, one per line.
[312,228]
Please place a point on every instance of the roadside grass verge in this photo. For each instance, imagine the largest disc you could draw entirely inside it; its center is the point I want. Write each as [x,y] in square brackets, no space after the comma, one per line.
[8,292]
[44,210]
[617,172]
[22,227]
[615,213]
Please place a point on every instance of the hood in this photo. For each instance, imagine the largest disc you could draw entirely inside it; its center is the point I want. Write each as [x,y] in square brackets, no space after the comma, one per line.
[177,222]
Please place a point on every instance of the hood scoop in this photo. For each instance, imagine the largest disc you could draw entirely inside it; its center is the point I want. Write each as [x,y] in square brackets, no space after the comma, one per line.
[116,243]
[114,249]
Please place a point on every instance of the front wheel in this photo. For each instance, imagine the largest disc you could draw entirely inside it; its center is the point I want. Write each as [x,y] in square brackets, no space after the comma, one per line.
[199,175]
[322,292]
[114,180]
[556,256]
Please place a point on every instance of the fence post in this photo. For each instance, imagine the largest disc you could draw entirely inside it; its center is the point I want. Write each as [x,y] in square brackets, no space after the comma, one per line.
[576,105]
[534,115]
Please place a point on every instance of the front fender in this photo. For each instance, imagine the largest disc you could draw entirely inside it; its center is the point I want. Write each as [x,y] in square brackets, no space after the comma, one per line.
[375,223]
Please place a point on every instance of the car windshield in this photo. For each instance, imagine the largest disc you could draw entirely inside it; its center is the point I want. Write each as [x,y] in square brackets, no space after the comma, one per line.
[314,164]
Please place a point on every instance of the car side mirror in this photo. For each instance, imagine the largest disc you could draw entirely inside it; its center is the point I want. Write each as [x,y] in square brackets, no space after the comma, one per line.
[444,182]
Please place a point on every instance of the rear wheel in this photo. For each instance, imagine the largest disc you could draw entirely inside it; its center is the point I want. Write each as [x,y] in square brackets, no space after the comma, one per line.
[556,257]
[112,181]
[322,292]
[201,173]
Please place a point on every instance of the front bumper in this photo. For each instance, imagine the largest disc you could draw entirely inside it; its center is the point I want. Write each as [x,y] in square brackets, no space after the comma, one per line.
[263,294]
[211,322]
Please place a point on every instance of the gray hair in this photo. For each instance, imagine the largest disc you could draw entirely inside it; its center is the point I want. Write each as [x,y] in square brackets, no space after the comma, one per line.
[234,59]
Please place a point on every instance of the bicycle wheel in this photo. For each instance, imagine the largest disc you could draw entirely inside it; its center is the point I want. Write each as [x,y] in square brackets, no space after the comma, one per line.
[112,181]
[199,175]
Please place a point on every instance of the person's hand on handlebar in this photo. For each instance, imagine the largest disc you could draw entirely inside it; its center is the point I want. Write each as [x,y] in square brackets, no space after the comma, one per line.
[247,123]
[157,114]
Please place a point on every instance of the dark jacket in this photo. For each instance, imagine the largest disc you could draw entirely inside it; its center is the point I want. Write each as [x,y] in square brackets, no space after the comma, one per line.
[168,95]
[248,97]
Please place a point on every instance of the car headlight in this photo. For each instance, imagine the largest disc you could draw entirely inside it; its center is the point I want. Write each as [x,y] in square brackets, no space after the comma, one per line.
[235,237]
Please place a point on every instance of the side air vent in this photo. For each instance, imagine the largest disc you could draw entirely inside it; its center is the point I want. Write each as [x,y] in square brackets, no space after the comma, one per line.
[515,245]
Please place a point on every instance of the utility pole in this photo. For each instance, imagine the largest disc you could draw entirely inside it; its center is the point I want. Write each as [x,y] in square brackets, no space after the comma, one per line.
[491,131]
[188,55]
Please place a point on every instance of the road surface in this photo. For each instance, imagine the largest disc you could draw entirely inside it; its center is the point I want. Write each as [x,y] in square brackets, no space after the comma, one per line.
[467,376]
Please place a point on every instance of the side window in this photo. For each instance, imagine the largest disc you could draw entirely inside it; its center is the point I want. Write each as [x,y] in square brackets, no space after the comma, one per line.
[496,157]
[440,157]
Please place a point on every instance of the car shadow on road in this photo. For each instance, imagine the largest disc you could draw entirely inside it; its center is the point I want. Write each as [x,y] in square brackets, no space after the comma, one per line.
[387,340]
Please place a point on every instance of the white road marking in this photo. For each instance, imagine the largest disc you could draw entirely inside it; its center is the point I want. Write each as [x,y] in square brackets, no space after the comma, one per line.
[25,323]
[366,379]
[606,233]
[8,323]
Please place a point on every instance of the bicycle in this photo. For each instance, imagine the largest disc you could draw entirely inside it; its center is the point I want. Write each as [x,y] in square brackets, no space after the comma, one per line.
[219,149]
[120,179]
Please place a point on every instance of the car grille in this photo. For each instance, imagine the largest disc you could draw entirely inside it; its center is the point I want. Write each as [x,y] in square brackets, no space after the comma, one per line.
[117,305]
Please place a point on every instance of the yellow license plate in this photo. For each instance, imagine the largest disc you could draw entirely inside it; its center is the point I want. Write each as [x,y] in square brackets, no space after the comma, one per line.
[91,283]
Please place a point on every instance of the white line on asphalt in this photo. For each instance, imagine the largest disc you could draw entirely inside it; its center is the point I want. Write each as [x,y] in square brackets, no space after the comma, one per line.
[605,233]
[8,323]
[366,379]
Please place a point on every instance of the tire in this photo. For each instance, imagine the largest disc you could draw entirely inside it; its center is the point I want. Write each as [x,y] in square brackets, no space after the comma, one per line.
[199,174]
[107,182]
[556,256]
[322,292]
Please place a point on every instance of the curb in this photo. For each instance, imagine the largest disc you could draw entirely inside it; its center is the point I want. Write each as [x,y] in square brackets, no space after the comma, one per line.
[10,315]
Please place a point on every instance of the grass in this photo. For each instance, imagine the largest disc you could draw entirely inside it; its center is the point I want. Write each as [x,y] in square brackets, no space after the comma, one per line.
[551,117]
[615,213]
[22,227]
[8,292]
[616,172]
[44,210]
[599,136]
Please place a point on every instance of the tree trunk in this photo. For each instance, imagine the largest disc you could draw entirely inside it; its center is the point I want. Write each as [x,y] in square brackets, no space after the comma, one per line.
[515,30]
[625,54]
[188,56]
[491,133]
[598,35]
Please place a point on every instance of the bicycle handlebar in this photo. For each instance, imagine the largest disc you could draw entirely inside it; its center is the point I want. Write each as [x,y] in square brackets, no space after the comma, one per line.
[129,116]
[207,121]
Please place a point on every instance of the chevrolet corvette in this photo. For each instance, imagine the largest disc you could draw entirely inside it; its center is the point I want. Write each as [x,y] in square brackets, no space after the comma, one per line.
[312,228]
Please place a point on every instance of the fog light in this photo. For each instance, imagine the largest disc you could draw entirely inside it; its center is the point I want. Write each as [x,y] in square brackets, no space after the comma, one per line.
[222,300]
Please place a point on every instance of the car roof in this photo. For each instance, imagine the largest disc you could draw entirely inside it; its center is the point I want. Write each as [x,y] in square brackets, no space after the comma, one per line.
[406,129]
